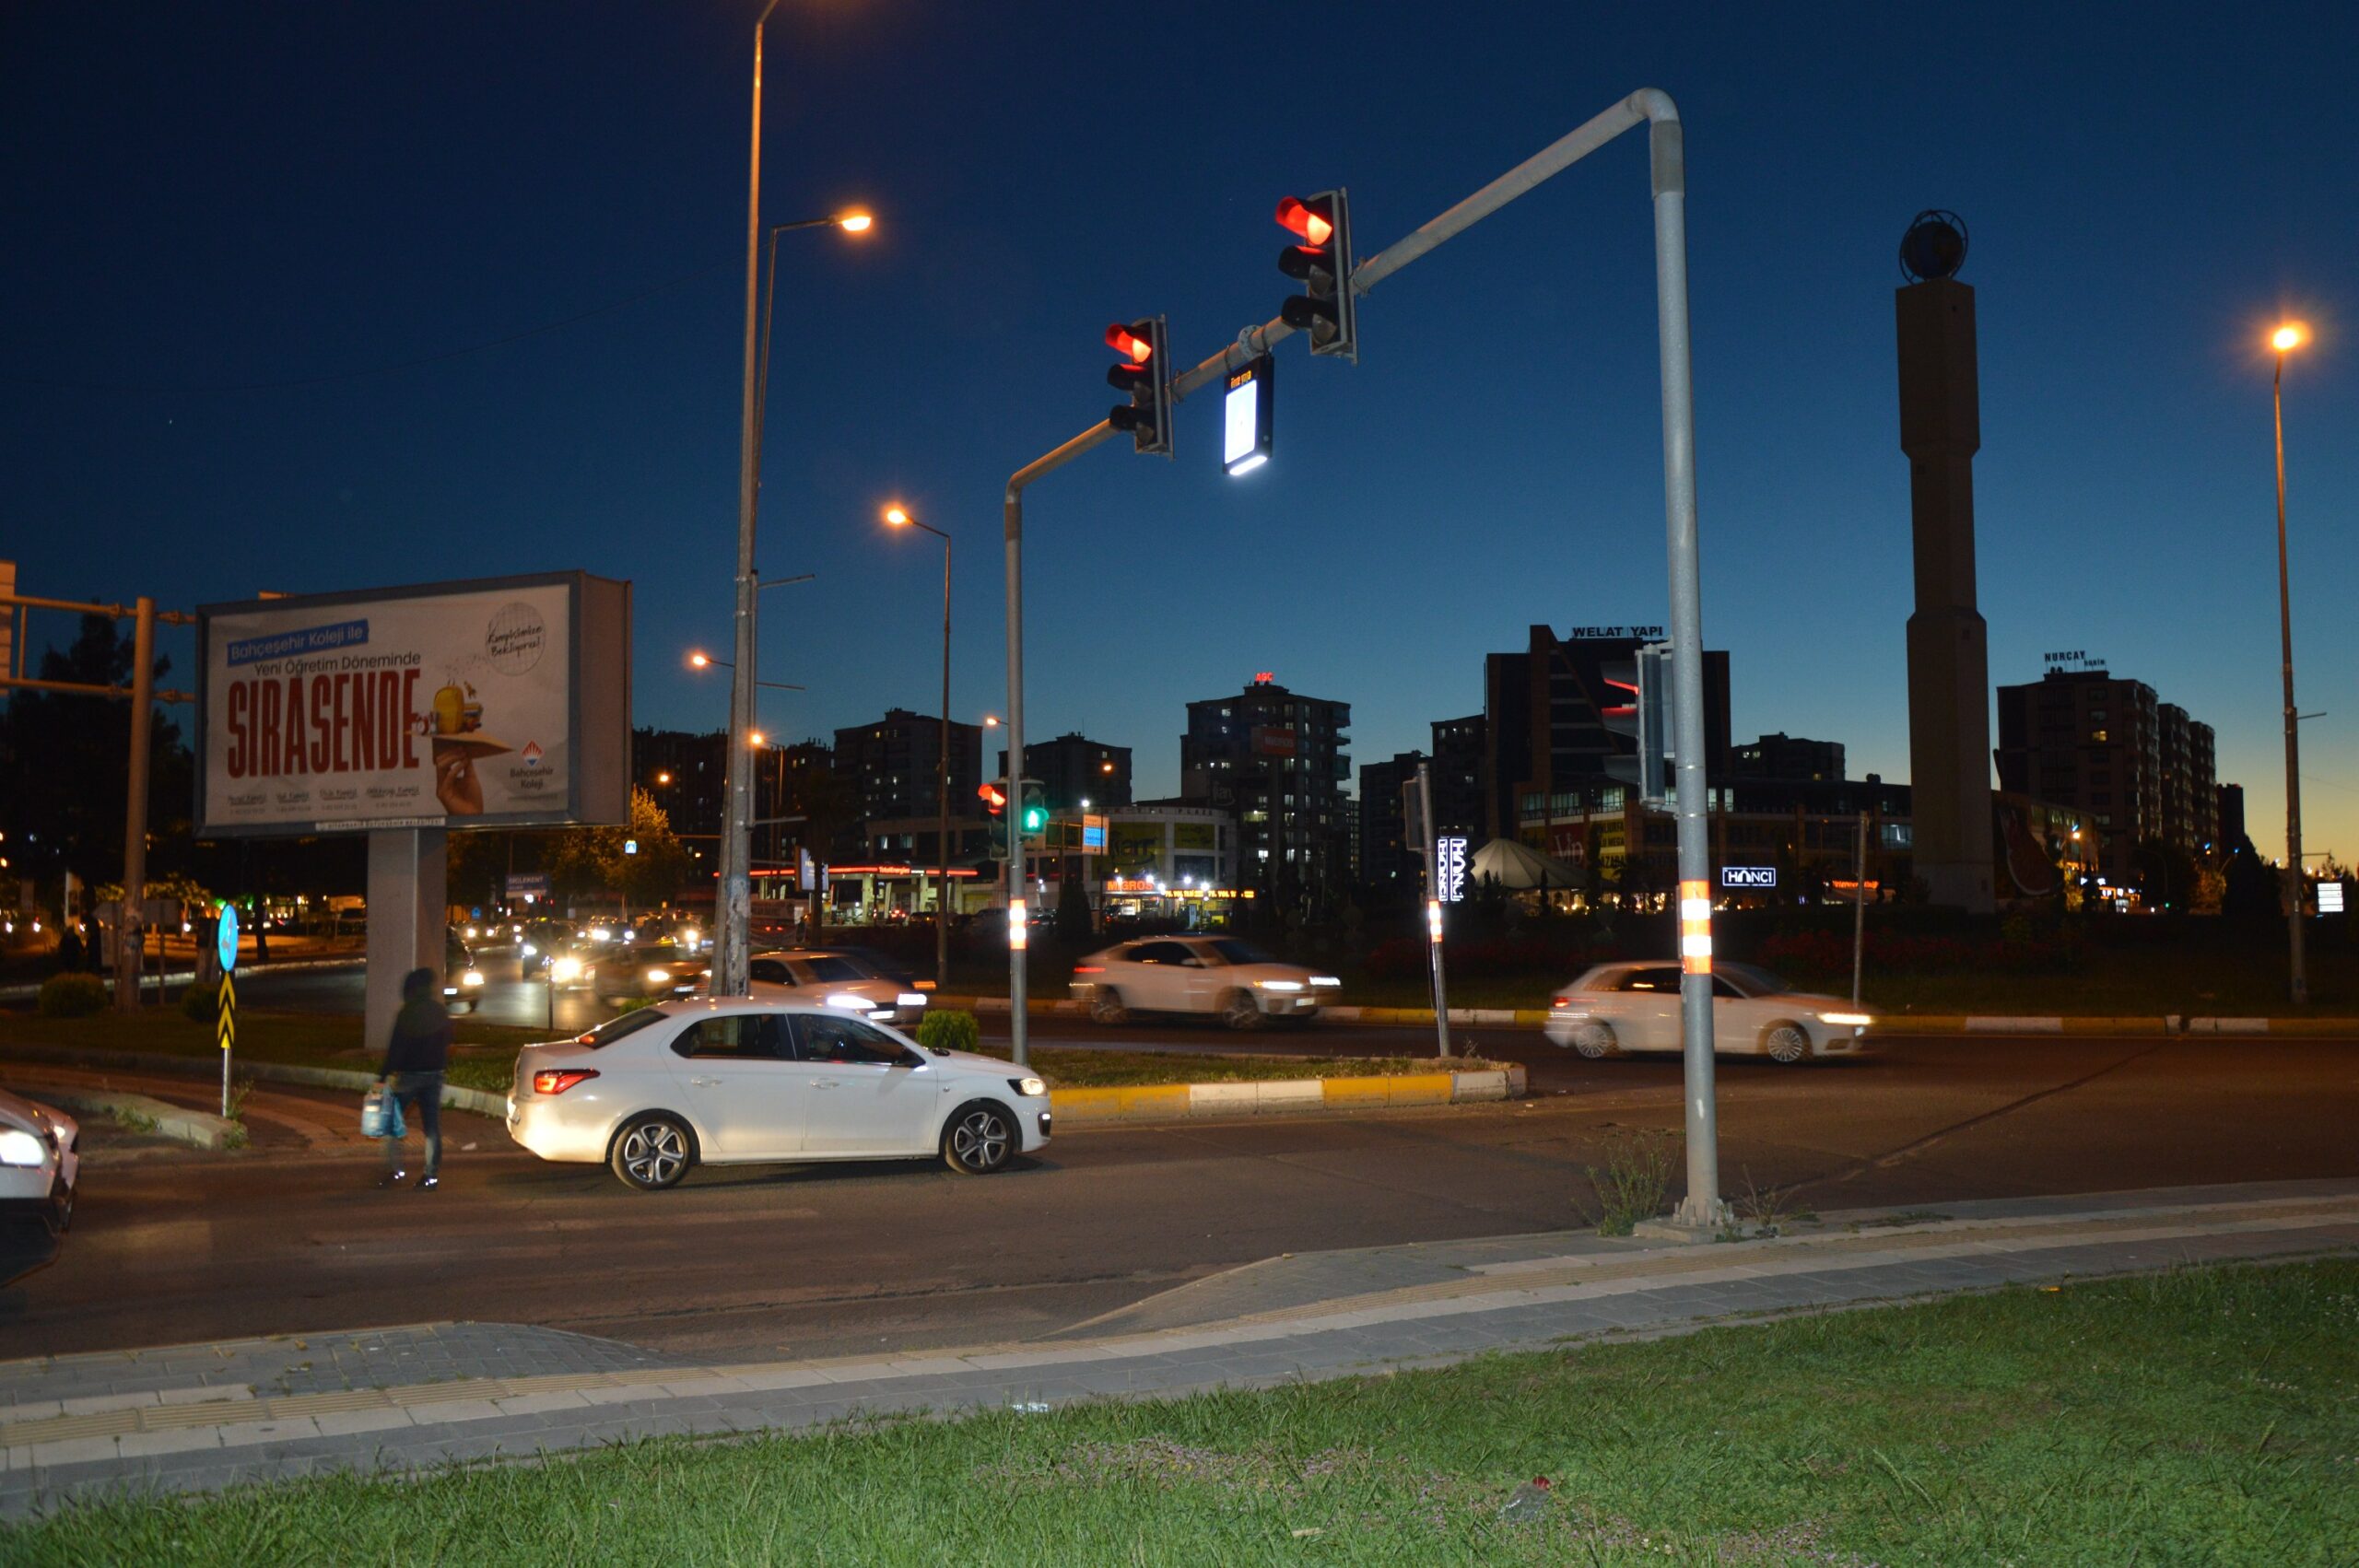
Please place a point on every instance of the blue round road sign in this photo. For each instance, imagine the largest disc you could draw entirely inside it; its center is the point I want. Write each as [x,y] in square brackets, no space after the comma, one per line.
[225,940]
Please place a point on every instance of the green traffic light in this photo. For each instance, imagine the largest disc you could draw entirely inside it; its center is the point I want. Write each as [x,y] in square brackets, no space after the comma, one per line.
[1036,819]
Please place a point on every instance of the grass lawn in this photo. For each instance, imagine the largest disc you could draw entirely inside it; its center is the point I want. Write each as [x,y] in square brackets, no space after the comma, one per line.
[2210,1417]
[487,1057]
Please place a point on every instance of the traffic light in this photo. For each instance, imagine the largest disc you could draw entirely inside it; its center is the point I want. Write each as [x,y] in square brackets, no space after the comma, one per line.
[1323,261]
[1143,373]
[1033,819]
[1645,719]
[994,800]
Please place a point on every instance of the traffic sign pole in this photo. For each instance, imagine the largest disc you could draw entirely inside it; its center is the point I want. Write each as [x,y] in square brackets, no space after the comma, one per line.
[225,939]
[1433,908]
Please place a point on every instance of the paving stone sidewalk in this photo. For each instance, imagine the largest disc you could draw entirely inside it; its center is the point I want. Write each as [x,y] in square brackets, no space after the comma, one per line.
[191,1418]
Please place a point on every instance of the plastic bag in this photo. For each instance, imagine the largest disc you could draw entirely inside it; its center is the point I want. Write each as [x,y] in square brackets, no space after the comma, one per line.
[381,1114]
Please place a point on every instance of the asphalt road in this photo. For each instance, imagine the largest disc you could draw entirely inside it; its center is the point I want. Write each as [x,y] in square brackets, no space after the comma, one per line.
[831,1259]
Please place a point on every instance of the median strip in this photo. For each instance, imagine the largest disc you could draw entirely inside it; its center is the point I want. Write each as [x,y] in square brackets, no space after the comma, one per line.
[1162,1102]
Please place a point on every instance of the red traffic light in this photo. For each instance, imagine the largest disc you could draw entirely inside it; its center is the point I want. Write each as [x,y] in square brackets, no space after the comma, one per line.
[1315,226]
[1125,342]
[994,800]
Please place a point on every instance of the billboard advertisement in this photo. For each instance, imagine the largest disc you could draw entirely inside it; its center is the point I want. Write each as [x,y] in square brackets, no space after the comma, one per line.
[503,703]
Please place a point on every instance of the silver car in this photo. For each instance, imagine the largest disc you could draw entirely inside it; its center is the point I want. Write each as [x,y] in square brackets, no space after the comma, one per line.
[1219,976]
[840,978]
[741,1080]
[40,1158]
[1622,1008]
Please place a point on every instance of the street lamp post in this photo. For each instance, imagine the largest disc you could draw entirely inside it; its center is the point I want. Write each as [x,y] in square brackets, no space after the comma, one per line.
[733,916]
[895,517]
[2284,340]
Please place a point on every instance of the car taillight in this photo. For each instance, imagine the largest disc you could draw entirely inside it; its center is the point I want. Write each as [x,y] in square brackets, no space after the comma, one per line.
[1089,968]
[557,1080]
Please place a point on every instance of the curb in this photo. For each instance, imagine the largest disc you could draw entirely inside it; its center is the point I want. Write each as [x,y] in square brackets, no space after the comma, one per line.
[200,1129]
[482,1101]
[24,990]
[1886,1023]
[1161,1102]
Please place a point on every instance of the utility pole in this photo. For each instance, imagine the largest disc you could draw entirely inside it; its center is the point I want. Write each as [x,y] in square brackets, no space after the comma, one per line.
[1433,905]
[134,811]
[1859,908]
[2300,980]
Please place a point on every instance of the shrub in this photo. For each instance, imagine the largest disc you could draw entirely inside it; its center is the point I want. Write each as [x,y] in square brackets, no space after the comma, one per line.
[1634,1184]
[72,996]
[949,1030]
[201,1002]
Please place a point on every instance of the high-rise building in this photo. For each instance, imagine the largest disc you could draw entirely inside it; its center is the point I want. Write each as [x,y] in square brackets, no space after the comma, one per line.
[1072,768]
[1788,757]
[1545,734]
[1386,862]
[2083,738]
[1277,759]
[890,764]
[2230,818]
[687,773]
[1458,775]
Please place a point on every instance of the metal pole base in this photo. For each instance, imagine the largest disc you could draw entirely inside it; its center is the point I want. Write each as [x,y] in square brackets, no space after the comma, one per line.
[1698,1213]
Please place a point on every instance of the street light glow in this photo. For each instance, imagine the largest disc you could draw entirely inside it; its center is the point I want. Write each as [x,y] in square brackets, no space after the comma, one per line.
[895,517]
[700,659]
[2288,338]
[990,721]
[753,736]
[855,222]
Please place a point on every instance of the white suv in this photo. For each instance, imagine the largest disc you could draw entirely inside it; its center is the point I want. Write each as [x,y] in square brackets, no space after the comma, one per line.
[1623,1008]
[1232,980]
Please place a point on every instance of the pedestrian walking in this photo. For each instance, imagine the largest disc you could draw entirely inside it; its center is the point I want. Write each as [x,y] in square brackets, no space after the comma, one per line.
[415,1061]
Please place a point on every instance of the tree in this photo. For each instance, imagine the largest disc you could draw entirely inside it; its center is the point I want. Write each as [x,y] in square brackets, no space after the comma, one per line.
[64,759]
[643,861]
[2252,896]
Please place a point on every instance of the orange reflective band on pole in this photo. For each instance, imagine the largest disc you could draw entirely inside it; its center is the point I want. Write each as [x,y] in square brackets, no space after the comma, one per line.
[1433,921]
[1016,931]
[1695,928]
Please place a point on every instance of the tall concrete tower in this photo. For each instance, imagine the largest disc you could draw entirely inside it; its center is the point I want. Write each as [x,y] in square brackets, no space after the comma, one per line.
[1949,656]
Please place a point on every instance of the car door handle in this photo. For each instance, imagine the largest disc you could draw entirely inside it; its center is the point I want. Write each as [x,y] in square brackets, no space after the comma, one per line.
[706,1082]
[826,1083]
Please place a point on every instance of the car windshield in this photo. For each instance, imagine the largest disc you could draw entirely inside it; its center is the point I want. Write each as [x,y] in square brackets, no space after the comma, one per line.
[614,1029]
[1752,981]
[1236,951]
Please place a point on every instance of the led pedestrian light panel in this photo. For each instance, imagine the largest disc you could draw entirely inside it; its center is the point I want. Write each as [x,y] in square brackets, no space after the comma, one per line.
[1247,415]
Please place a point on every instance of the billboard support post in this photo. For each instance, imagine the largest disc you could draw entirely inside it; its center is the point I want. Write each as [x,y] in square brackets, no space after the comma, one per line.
[128,936]
[407,900]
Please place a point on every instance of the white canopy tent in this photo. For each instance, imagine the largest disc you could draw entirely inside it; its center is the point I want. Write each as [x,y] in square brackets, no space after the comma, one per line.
[1520,867]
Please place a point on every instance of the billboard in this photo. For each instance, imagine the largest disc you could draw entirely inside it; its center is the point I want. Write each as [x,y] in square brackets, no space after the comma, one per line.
[499,703]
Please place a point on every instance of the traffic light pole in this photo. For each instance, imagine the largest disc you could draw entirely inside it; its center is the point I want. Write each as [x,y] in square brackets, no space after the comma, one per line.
[1703,1208]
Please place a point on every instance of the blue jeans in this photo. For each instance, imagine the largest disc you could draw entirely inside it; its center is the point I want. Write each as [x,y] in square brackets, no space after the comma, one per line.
[420,1096]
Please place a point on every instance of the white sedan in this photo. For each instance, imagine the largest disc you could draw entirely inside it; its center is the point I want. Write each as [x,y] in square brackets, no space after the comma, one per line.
[839,980]
[1622,1008]
[752,1080]
[1232,980]
[40,1157]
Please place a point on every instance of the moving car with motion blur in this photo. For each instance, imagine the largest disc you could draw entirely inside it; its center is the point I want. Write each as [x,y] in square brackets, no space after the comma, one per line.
[1217,977]
[1627,1009]
[766,1081]
[621,970]
[40,1158]
[462,979]
[841,977]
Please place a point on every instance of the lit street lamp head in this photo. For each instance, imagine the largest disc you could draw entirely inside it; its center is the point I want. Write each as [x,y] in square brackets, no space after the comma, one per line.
[896,518]
[2288,338]
[855,222]
[699,660]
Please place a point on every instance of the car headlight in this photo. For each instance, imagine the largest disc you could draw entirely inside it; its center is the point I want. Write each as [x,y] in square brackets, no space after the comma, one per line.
[530,950]
[1279,985]
[1849,1019]
[1030,1088]
[657,976]
[910,999]
[470,933]
[1325,980]
[565,969]
[18,1147]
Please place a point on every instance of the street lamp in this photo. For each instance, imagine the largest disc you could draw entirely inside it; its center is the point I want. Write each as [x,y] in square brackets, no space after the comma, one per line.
[898,517]
[2284,340]
[733,917]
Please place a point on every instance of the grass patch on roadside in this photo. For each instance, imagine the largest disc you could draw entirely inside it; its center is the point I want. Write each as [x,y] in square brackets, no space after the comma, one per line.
[2203,1416]
[306,1039]
[487,1057]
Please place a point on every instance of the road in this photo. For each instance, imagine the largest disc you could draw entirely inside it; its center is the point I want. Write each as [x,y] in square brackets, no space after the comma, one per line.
[822,1260]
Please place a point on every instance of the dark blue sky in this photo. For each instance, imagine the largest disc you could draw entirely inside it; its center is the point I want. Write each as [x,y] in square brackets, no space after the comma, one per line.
[224,222]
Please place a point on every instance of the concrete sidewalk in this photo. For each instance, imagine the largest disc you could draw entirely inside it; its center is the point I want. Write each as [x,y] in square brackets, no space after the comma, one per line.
[398,1399]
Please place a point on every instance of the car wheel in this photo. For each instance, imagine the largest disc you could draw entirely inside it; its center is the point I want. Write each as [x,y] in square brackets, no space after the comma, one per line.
[1239,1011]
[1787,1043]
[1106,1006]
[979,1139]
[654,1151]
[1595,1042]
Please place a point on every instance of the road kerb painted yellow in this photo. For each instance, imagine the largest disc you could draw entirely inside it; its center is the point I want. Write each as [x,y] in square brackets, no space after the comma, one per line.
[1171,1101]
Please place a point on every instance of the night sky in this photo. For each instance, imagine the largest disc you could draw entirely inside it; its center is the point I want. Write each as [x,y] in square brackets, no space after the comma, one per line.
[247,245]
